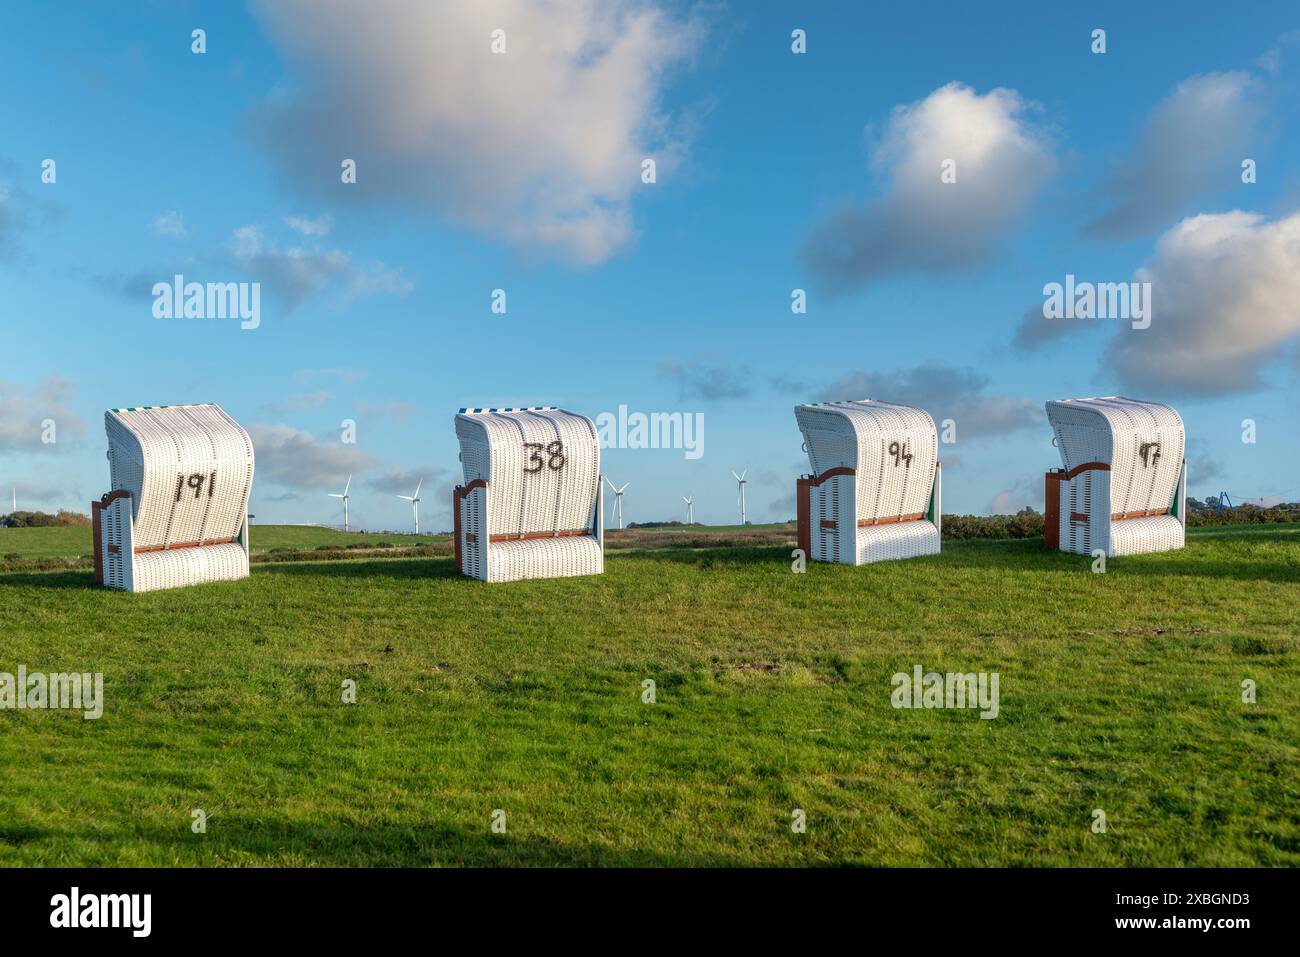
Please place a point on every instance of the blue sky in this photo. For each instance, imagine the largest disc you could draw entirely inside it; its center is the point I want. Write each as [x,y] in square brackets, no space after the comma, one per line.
[520,171]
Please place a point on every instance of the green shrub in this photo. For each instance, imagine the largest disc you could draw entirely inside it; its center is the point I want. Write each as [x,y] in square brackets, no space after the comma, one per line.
[43,519]
[1026,524]
[1243,515]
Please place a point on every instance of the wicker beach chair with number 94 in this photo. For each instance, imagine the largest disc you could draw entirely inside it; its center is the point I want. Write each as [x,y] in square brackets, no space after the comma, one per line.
[1123,489]
[874,491]
[178,510]
[531,503]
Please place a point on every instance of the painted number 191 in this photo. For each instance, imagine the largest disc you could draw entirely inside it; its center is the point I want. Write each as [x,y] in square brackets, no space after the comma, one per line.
[195,481]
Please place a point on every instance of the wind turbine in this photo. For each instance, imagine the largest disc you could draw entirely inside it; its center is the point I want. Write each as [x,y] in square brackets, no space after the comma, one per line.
[740,480]
[415,504]
[690,509]
[344,496]
[618,500]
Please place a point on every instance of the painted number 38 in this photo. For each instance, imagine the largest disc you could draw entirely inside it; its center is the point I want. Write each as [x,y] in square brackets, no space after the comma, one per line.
[553,459]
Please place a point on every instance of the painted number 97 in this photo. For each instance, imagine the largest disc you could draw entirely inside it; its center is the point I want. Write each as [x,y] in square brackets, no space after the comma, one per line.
[553,459]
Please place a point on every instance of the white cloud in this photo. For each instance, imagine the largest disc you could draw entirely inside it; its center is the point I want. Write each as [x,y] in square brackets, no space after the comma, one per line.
[1036,331]
[922,224]
[391,410]
[946,392]
[697,381]
[170,223]
[1195,137]
[1271,60]
[376,279]
[540,146]
[24,413]
[320,226]
[20,210]
[1024,493]
[42,493]
[299,402]
[11,221]
[396,481]
[298,460]
[1202,466]
[1225,297]
[300,273]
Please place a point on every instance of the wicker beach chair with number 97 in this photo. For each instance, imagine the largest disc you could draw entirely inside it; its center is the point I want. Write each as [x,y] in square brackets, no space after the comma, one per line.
[531,503]
[874,491]
[1123,489]
[178,511]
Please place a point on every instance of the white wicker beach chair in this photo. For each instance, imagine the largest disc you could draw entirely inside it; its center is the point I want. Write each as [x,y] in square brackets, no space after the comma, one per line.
[178,511]
[1123,489]
[531,503]
[874,491]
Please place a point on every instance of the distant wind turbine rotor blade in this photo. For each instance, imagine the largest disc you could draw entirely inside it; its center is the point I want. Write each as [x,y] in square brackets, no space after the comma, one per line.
[348,485]
[417,488]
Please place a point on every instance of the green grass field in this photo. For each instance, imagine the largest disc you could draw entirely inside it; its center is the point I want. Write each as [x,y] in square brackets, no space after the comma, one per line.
[76,540]
[1119,691]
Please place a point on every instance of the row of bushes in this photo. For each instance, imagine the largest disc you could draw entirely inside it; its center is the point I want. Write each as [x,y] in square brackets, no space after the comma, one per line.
[1024,524]
[1029,524]
[43,519]
[1243,515]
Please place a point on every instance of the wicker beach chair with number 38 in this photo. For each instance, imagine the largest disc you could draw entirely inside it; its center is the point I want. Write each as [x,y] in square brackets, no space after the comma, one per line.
[874,490]
[1123,489]
[178,511]
[531,503]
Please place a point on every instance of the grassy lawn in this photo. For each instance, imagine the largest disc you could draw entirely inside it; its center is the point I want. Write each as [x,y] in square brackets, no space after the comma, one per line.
[74,540]
[1119,692]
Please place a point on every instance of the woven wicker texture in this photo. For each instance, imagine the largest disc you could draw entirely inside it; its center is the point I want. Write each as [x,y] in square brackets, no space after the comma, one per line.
[1155,533]
[188,470]
[1116,431]
[116,546]
[559,557]
[188,566]
[542,469]
[1142,444]
[893,453]
[879,543]
[892,449]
